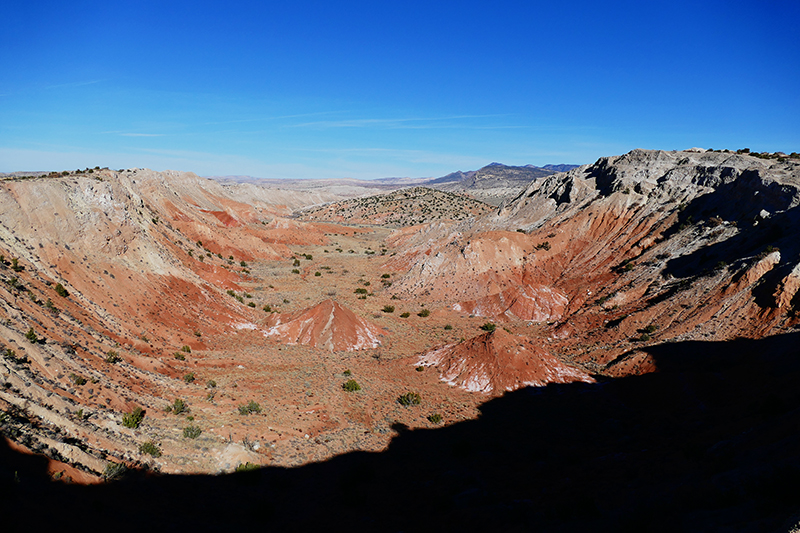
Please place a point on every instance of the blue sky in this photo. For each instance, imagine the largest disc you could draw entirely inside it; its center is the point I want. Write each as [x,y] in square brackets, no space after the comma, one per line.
[374,89]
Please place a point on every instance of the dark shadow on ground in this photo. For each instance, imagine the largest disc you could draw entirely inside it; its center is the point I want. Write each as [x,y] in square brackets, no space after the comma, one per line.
[709,443]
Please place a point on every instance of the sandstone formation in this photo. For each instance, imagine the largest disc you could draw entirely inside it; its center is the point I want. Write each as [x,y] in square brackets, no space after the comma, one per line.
[328,325]
[136,289]
[499,361]
[645,247]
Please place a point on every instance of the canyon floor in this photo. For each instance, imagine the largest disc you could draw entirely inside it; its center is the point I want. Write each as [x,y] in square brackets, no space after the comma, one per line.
[613,347]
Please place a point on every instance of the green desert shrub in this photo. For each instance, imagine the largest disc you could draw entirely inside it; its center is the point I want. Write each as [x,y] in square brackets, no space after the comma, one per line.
[405,315]
[189,378]
[249,408]
[192,432]
[408,399]
[61,291]
[114,471]
[31,336]
[351,386]
[112,357]
[77,380]
[388,309]
[178,407]
[186,349]
[488,327]
[424,313]
[246,467]
[150,448]
[435,418]
[134,418]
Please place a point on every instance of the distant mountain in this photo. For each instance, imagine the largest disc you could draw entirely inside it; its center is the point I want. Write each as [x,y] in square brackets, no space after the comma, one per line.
[560,168]
[493,183]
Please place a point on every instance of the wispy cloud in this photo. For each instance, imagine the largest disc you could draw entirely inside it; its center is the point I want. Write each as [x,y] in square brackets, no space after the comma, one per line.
[74,84]
[277,117]
[141,134]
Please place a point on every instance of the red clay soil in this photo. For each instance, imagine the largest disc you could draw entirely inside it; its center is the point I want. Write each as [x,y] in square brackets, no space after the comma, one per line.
[327,325]
[538,303]
[499,361]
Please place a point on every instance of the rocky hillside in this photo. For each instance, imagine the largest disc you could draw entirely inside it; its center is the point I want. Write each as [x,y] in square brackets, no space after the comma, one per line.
[493,183]
[160,322]
[406,207]
[637,249]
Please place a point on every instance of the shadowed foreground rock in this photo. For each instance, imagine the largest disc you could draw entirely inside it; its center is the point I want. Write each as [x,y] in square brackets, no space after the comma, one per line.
[708,443]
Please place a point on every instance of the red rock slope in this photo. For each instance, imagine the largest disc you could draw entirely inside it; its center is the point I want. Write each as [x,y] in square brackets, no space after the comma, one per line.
[327,325]
[499,361]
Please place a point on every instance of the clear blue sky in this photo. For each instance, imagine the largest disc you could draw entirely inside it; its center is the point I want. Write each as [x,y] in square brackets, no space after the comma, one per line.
[373,89]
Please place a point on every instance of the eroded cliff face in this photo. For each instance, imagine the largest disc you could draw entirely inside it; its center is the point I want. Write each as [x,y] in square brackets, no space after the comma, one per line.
[584,269]
[499,361]
[146,263]
[327,325]
[646,247]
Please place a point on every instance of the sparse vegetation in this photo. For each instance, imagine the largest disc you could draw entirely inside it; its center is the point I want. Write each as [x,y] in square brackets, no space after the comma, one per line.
[246,467]
[178,407]
[435,418]
[134,418]
[186,349]
[31,336]
[189,378]
[408,399]
[150,448]
[192,432]
[11,355]
[77,380]
[112,357]
[488,326]
[388,309]
[61,291]
[405,315]
[424,313]
[448,327]
[351,386]
[251,407]
[114,471]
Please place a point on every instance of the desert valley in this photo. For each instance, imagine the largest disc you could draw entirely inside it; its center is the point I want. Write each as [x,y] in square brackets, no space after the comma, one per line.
[609,346]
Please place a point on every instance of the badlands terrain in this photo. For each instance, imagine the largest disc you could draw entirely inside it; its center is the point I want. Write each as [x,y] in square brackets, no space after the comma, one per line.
[609,347]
